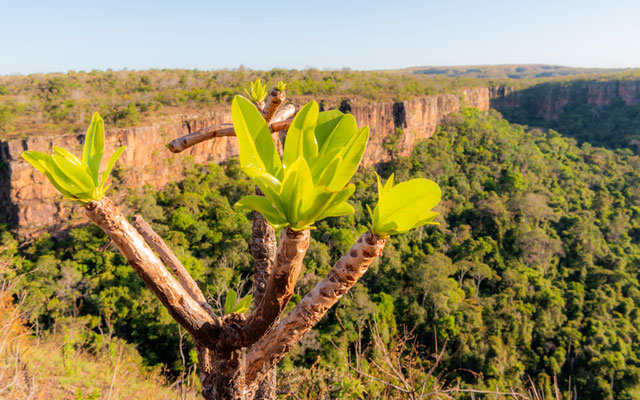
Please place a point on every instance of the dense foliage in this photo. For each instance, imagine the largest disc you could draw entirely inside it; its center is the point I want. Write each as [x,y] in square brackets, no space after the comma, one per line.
[588,110]
[532,272]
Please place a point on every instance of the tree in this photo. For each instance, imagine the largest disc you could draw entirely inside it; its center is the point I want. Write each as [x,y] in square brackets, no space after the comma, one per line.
[237,355]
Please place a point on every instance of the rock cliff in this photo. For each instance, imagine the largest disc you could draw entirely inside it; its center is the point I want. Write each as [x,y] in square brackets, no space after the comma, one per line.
[549,100]
[32,205]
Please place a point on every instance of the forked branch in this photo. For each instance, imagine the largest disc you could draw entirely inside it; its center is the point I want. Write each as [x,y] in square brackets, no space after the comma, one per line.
[269,350]
[182,307]
[170,259]
[282,281]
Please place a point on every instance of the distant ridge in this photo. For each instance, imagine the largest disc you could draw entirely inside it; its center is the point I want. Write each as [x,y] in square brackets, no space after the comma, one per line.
[513,71]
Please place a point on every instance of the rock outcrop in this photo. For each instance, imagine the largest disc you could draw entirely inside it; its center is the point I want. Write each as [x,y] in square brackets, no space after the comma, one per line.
[32,205]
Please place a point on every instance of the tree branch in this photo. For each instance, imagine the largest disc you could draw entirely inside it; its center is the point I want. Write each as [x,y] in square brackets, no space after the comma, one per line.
[281,121]
[280,286]
[182,307]
[275,99]
[170,259]
[268,351]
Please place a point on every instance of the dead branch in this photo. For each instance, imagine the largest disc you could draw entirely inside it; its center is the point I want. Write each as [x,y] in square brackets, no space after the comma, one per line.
[268,351]
[182,307]
[170,259]
[275,99]
[281,122]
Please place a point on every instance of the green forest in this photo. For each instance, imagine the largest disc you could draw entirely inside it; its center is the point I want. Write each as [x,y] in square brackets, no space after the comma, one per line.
[529,281]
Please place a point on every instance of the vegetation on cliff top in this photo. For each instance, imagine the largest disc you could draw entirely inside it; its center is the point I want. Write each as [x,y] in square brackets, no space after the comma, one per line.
[532,272]
[62,102]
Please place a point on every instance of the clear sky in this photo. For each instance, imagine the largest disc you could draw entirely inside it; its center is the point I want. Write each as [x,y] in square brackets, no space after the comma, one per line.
[49,36]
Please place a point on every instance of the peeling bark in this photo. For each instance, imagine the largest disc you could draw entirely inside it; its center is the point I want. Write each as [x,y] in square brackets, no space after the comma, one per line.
[282,281]
[274,100]
[182,307]
[182,143]
[269,350]
[170,259]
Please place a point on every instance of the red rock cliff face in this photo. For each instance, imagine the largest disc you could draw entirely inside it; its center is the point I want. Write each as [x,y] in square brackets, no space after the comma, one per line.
[548,100]
[34,206]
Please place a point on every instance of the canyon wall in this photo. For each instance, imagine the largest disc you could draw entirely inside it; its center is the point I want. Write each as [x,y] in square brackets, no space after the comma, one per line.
[32,205]
[549,100]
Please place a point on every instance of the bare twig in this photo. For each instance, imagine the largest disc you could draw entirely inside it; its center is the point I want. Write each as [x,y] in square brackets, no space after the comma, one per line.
[280,123]
[169,258]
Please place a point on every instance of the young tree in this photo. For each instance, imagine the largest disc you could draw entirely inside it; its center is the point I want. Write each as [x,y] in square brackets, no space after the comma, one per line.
[237,354]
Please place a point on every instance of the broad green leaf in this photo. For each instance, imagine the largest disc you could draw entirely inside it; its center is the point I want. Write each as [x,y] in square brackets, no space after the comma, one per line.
[254,138]
[405,206]
[264,206]
[341,134]
[426,219]
[35,158]
[230,301]
[301,140]
[327,122]
[75,173]
[43,162]
[351,157]
[297,182]
[270,187]
[112,162]
[68,155]
[329,172]
[322,163]
[243,305]
[94,146]
[338,211]
[70,188]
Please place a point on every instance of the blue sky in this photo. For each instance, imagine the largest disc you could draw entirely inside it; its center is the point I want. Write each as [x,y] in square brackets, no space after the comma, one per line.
[48,36]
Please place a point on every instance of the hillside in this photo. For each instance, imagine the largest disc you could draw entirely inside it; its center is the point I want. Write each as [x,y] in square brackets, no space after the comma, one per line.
[74,362]
[532,272]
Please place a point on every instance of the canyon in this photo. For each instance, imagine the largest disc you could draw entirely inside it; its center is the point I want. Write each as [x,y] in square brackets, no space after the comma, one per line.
[33,206]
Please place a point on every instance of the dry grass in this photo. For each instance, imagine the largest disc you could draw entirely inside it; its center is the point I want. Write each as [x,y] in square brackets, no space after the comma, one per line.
[50,368]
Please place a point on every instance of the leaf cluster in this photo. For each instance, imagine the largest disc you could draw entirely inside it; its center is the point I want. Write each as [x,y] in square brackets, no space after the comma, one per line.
[257,91]
[78,180]
[321,153]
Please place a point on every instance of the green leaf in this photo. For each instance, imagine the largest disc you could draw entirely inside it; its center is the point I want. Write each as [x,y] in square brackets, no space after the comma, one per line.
[68,155]
[43,162]
[297,182]
[339,136]
[351,157]
[254,139]
[230,301]
[405,206]
[75,174]
[243,305]
[338,205]
[264,206]
[301,140]
[112,162]
[36,159]
[94,146]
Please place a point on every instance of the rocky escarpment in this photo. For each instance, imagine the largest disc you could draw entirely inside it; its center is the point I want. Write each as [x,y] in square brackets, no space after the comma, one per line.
[32,204]
[549,101]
